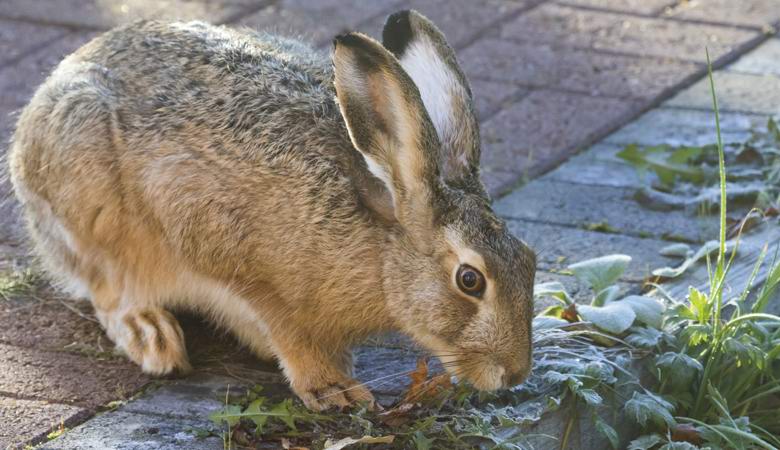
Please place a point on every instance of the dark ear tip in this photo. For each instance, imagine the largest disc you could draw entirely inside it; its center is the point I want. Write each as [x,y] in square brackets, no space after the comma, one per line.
[350,39]
[398,32]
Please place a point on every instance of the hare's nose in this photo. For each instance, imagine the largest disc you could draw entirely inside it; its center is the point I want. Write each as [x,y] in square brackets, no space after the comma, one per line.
[514,378]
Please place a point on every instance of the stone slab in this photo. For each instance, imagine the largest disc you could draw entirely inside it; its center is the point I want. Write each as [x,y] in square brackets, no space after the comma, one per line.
[35,36]
[578,205]
[586,169]
[318,22]
[695,127]
[104,14]
[499,182]
[752,13]
[558,247]
[26,421]
[545,127]
[131,431]
[199,394]
[758,94]
[66,378]
[647,7]
[764,60]
[598,30]
[460,20]
[750,247]
[594,73]
[492,96]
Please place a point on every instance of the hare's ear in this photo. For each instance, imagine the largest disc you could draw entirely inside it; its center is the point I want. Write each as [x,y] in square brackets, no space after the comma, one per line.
[426,56]
[389,125]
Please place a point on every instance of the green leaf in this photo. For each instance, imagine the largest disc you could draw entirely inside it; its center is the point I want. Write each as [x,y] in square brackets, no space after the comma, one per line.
[679,249]
[230,414]
[670,272]
[590,396]
[648,310]
[667,162]
[678,369]
[646,408]
[614,318]
[645,442]
[700,304]
[545,322]
[601,272]
[644,337]
[773,130]
[682,445]
[421,442]
[553,289]
[256,414]
[606,295]
[609,432]
[282,411]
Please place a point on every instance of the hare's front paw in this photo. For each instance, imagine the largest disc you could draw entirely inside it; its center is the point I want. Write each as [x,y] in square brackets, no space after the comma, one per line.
[153,339]
[338,394]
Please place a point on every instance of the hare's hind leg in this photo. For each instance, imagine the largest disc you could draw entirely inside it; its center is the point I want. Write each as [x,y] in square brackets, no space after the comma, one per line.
[135,320]
[139,325]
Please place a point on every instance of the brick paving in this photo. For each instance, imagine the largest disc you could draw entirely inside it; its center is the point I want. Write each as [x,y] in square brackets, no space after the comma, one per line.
[550,78]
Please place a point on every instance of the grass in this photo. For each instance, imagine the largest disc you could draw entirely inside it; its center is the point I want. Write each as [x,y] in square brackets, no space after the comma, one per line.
[17,284]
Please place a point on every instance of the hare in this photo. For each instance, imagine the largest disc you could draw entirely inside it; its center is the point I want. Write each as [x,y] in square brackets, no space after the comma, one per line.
[301,202]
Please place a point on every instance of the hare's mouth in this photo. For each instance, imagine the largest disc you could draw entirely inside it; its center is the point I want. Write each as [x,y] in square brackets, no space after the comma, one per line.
[483,375]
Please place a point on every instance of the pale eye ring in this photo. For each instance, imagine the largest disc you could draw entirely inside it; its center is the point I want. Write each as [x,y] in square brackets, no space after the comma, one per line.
[470,280]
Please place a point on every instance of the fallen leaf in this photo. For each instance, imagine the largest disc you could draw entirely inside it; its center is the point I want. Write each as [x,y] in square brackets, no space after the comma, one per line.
[570,314]
[423,389]
[686,432]
[397,416]
[346,442]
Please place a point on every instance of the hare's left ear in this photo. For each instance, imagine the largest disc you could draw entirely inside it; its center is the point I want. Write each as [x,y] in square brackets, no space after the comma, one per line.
[430,62]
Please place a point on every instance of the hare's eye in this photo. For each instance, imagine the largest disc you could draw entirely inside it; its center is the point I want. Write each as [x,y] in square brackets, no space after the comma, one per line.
[470,280]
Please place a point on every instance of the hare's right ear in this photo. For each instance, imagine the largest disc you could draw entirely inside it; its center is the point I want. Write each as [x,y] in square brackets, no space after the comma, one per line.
[425,55]
[389,125]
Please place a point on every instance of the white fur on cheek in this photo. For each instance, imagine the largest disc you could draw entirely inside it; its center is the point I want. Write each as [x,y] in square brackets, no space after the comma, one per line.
[435,81]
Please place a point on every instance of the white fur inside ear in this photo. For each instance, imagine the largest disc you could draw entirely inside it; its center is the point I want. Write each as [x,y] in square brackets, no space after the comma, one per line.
[435,81]
[375,168]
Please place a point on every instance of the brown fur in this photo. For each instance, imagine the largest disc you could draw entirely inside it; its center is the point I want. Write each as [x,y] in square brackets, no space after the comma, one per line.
[184,165]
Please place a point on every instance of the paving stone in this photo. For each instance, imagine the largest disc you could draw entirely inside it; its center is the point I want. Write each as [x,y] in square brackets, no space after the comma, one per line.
[764,60]
[385,370]
[460,20]
[558,247]
[543,128]
[675,126]
[198,395]
[66,378]
[759,94]
[498,182]
[11,47]
[24,421]
[584,169]
[130,431]
[586,71]
[319,21]
[580,205]
[19,81]
[492,96]
[622,33]
[755,13]
[649,7]
[106,14]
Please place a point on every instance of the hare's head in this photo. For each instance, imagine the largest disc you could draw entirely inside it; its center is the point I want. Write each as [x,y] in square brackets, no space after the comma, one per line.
[455,279]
